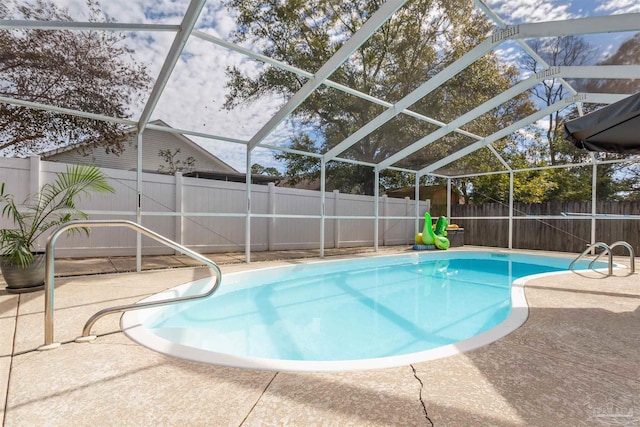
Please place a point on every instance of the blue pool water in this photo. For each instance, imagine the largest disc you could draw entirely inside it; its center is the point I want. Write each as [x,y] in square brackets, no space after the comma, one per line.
[349,310]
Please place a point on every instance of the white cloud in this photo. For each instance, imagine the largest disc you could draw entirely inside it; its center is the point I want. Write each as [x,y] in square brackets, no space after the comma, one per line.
[514,12]
[195,91]
[517,11]
[618,6]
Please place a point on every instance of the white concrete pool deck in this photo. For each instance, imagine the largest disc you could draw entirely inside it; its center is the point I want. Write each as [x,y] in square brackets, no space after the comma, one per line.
[575,361]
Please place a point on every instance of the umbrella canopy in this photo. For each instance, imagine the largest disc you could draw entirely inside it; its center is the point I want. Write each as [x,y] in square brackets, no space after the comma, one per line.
[613,129]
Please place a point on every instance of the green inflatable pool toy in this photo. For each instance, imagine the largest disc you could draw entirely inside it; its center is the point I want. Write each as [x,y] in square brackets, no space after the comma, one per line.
[429,237]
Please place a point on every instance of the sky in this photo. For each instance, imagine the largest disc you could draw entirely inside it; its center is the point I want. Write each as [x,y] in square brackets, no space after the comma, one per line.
[195,93]
[515,12]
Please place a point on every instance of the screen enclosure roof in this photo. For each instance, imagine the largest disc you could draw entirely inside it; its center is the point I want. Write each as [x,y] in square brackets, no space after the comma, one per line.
[190,46]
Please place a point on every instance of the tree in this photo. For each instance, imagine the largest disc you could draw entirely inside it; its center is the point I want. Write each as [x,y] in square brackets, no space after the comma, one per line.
[419,41]
[558,51]
[173,164]
[90,71]
[571,184]
[627,54]
[258,169]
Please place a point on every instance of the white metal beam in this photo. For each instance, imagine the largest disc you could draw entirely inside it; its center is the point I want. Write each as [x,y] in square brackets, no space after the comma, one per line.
[539,168]
[15,24]
[139,143]
[248,52]
[262,58]
[587,25]
[245,142]
[194,133]
[499,157]
[597,98]
[494,137]
[60,110]
[357,39]
[502,24]
[502,133]
[188,22]
[462,120]
[495,18]
[610,71]
[569,27]
[593,72]
[489,12]
[463,62]
[599,24]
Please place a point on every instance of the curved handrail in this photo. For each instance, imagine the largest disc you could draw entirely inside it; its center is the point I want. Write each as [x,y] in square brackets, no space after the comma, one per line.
[597,257]
[49,274]
[608,249]
[589,248]
[632,260]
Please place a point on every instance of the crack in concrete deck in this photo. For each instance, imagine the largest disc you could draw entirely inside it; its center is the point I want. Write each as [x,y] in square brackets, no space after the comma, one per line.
[424,405]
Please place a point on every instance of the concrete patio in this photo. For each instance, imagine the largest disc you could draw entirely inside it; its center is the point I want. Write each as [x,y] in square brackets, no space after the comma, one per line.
[576,361]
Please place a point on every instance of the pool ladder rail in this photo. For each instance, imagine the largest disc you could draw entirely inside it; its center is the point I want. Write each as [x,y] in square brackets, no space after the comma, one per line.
[608,250]
[86,331]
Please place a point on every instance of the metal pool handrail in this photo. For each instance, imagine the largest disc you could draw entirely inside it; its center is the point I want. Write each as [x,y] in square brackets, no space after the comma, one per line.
[632,256]
[601,245]
[608,250]
[49,276]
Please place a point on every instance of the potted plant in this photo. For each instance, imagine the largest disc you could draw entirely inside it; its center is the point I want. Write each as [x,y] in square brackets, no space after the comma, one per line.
[21,263]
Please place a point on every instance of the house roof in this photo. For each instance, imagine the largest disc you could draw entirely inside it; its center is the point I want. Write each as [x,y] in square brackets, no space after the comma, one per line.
[232,176]
[133,130]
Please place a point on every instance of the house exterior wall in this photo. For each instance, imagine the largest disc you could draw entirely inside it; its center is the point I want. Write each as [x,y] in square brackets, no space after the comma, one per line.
[439,197]
[153,141]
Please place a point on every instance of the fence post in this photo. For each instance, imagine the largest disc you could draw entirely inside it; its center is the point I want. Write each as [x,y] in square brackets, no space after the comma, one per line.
[511,209]
[179,208]
[417,206]
[323,196]
[336,222]
[407,212]
[271,230]
[594,199]
[247,224]
[449,198]
[34,174]
[139,199]
[385,222]
[376,207]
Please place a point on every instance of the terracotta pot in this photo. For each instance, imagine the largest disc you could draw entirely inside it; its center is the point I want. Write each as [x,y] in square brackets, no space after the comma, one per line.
[24,279]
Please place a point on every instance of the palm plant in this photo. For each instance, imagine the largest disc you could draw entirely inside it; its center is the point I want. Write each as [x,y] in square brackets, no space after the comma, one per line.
[53,205]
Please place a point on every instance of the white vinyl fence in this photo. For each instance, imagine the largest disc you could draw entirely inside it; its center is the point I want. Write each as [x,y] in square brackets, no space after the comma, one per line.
[210,216]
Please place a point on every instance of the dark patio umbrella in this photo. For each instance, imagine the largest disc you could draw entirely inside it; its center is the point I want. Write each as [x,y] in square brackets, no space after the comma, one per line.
[613,129]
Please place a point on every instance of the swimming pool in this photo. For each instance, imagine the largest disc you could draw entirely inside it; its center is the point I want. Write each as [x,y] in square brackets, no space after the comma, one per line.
[350,314]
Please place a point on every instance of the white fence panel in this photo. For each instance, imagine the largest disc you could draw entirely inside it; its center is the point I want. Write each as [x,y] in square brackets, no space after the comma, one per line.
[122,205]
[213,233]
[15,174]
[259,226]
[357,231]
[210,216]
[296,233]
[396,231]
[158,206]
